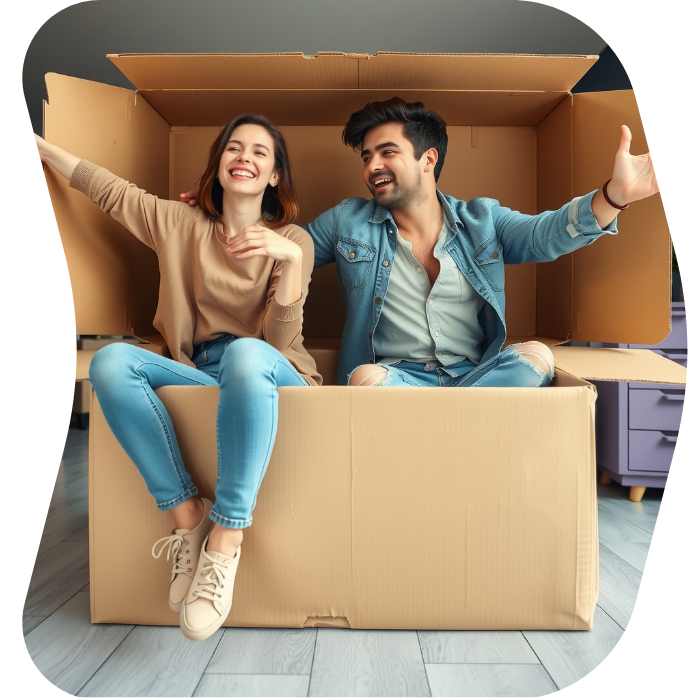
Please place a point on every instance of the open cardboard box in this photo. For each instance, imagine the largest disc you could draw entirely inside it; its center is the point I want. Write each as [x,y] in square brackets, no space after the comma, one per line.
[393,508]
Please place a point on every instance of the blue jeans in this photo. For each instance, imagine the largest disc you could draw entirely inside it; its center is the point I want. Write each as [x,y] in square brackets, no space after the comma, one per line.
[247,371]
[507,369]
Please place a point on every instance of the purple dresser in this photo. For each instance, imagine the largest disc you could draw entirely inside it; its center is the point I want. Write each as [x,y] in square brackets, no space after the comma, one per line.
[637,424]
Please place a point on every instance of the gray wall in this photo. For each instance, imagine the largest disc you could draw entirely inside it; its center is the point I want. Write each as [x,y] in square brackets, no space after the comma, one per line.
[75,40]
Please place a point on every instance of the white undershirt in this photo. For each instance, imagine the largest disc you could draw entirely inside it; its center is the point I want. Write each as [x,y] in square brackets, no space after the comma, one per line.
[423,324]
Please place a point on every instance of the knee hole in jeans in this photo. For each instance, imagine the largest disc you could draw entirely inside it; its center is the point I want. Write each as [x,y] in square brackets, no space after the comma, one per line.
[539,354]
[367,375]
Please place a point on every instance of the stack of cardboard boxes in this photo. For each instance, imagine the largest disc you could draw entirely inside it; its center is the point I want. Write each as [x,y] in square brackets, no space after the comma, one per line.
[393,508]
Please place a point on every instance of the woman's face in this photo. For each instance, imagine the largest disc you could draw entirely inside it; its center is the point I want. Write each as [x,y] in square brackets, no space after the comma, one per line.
[247,165]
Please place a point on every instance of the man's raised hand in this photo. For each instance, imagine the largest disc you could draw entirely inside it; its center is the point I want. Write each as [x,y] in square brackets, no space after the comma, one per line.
[633,176]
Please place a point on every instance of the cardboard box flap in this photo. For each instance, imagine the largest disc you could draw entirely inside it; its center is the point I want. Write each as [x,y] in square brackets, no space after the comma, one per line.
[98,250]
[524,72]
[618,365]
[621,284]
[238,71]
[114,276]
[551,73]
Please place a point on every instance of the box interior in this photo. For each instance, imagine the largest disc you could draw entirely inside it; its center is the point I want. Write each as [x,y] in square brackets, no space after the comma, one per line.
[515,134]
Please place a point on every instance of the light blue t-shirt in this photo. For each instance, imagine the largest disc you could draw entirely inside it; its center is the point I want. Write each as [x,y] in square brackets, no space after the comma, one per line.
[420,323]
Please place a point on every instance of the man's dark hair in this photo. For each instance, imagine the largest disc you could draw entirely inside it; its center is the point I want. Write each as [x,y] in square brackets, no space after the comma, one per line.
[423,128]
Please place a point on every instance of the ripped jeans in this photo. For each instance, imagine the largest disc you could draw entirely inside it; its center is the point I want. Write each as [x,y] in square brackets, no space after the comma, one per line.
[247,372]
[509,368]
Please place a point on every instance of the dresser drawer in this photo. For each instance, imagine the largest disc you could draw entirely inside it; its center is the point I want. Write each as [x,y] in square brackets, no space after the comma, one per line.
[655,409]
[651,450]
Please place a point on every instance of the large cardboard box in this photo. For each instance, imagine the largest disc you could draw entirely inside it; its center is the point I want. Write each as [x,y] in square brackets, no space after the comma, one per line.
[397,508]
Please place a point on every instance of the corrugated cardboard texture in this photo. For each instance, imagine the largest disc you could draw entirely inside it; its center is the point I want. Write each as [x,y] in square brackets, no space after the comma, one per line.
[297,107]
[621,290]
[618,365]
[330,70]
[493,526]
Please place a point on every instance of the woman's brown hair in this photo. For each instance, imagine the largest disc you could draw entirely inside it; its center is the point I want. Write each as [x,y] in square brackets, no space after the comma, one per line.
[279,204]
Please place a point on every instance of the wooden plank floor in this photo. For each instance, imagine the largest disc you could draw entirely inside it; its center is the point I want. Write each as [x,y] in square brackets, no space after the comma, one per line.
[131,661]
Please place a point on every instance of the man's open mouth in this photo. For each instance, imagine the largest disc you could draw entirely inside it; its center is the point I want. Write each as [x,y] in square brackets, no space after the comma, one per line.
[382,182]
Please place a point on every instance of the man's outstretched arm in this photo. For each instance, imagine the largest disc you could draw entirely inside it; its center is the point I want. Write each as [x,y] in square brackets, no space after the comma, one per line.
[546,236]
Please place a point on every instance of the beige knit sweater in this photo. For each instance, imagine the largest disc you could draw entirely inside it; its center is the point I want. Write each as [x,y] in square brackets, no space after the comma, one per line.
[204,292]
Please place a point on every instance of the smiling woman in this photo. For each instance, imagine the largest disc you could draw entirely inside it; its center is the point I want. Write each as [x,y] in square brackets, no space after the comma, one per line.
[279,203]
[230,309]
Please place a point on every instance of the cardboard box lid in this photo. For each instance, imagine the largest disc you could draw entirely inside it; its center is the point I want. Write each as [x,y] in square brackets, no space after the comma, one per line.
[618,365]
[295,89]
[336,70]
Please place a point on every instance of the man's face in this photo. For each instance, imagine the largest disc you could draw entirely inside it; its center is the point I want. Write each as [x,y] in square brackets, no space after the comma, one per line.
[391,171]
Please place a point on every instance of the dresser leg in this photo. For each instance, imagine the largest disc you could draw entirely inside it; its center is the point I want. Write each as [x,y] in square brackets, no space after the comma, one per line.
[605,479]
[636,493]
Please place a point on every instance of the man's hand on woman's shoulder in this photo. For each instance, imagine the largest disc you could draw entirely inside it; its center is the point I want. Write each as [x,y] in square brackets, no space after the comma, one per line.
[190,197]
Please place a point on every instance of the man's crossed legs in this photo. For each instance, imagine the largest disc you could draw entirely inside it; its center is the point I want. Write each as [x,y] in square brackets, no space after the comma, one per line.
[528,364]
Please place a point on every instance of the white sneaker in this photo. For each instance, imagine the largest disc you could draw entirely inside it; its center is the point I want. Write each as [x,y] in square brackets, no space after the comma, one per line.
[184,546]
[209,599]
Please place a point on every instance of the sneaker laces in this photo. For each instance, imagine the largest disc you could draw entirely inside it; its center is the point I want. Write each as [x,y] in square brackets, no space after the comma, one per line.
[212,576]
[174,544]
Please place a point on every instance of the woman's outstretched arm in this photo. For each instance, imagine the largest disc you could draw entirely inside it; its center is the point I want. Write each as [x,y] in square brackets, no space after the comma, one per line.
[61,161]
[149,218]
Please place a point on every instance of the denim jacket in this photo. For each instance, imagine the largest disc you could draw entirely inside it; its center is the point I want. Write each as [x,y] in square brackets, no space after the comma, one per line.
[360,236]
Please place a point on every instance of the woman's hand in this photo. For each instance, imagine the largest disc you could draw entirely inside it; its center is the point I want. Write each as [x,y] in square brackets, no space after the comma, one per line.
[257,241]
[61,161]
